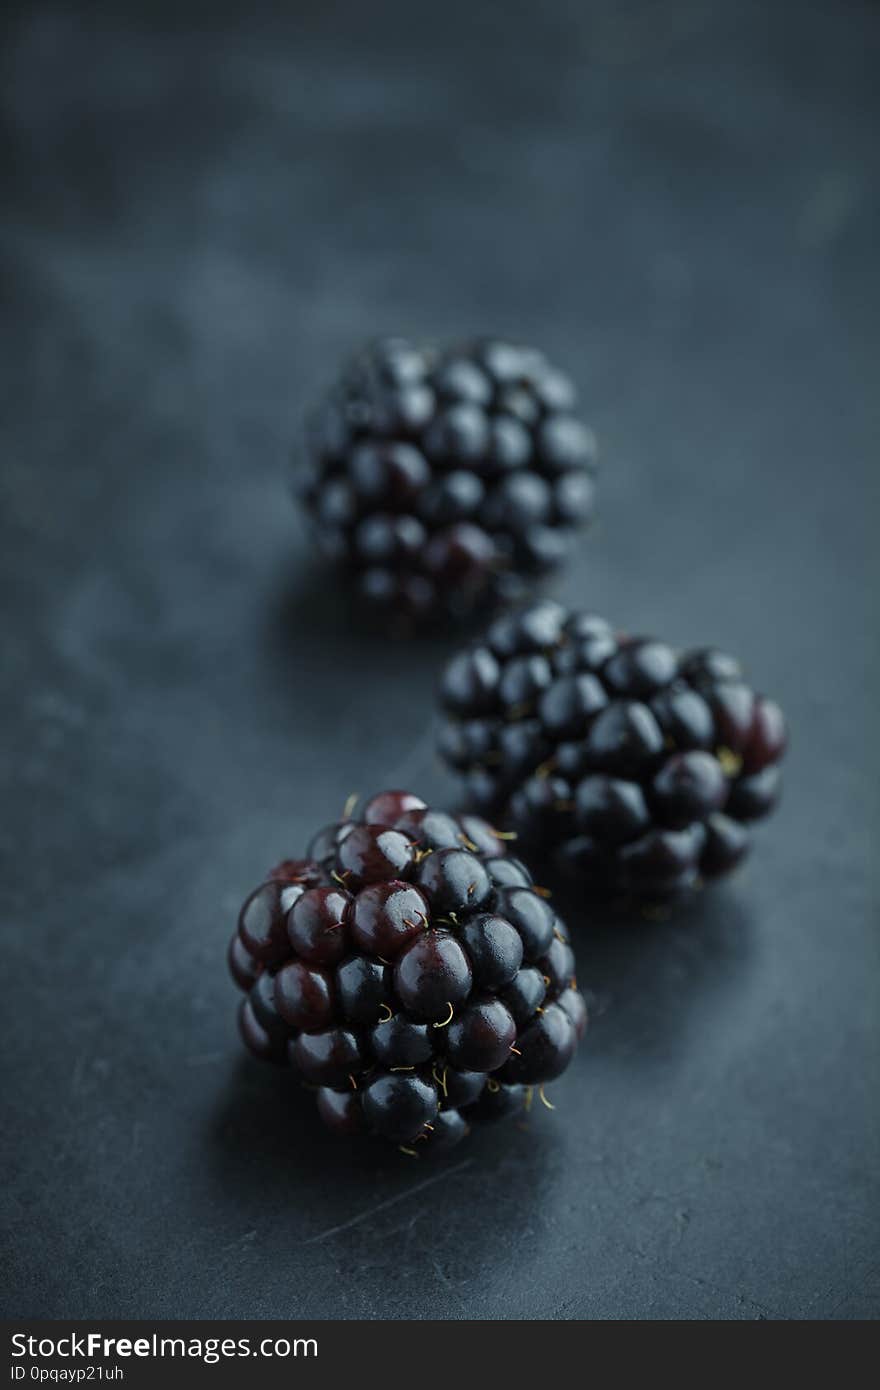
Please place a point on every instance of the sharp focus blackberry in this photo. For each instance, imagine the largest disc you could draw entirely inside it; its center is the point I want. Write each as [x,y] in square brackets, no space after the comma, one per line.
[630,762]
[410,973]
[447,480]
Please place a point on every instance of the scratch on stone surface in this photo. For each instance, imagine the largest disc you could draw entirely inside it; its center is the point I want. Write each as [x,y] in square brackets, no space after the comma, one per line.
[681,1213]
[204,1059]
[743,1299]
[240,1240]
[389,1202]
[405,1228]
[447,1283]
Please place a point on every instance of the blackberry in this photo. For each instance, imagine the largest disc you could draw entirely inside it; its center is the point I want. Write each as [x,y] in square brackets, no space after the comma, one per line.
[410,973]
[635,765]
[444,481]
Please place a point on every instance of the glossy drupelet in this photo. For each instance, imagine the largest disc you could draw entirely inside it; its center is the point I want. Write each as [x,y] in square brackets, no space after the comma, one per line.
[635,765]
[444,481]
[410,973]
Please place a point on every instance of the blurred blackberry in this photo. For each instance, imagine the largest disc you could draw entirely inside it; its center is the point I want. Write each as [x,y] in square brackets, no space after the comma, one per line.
[633,764]
[446,481]
[411,974]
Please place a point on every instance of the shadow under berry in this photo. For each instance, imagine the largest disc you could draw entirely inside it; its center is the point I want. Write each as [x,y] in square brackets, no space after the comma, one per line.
[314,599]
[647,972]
[267,1134]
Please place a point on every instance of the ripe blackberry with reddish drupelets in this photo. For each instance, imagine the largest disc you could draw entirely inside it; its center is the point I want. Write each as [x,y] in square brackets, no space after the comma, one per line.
[410,972]
[448,480]
[634,765]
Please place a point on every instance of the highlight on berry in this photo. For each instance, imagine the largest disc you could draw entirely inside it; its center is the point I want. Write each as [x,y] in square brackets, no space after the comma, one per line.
[446,480]
[633,765]
[409,972]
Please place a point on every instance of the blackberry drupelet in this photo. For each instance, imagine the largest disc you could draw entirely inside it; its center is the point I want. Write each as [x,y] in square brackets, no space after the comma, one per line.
[635,765]
[410,973]
[447,480]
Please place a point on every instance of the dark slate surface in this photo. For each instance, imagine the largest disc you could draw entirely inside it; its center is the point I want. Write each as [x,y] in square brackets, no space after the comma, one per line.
[680,202]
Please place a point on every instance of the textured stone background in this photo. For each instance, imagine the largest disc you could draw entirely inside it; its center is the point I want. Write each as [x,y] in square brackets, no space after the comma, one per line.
[202,213]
